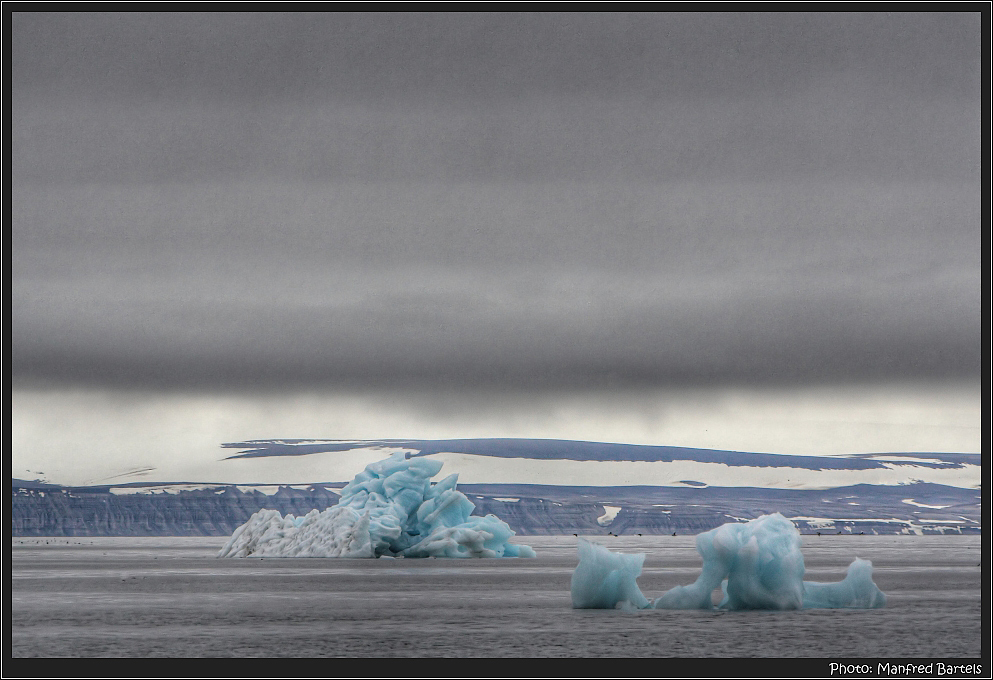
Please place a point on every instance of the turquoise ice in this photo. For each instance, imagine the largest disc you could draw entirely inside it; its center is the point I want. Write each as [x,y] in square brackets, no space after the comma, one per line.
[390,509]
[856,590]
[605,579]
[757,565]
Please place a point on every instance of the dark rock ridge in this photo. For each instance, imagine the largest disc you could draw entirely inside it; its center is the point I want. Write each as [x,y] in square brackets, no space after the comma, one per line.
[696,504]
[560,449]
[96,511]
[39,509]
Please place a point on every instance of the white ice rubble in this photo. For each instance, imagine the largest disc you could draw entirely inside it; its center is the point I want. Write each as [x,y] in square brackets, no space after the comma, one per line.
[391,509]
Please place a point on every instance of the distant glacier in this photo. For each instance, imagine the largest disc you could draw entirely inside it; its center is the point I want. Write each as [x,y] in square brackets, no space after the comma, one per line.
[543,487]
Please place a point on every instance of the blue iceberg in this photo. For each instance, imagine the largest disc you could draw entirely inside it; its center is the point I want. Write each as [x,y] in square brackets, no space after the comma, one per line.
[605,579]
[757,565]
[855,591]
[390,509]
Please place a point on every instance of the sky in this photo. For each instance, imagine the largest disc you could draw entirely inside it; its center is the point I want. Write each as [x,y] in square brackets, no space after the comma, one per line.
[741,231]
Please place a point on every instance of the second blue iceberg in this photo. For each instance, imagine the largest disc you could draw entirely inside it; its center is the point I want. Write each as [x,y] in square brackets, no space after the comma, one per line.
[757,565]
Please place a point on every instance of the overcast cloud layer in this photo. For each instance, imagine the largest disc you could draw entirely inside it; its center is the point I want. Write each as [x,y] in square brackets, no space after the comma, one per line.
[271,201]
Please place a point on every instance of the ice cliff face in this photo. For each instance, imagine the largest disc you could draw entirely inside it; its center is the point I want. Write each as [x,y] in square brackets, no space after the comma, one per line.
[390,509]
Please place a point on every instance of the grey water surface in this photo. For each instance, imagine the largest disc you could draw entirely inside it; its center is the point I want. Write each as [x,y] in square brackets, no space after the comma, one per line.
[170,596]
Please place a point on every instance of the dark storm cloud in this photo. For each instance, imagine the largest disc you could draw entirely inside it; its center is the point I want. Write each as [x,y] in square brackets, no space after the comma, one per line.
[372,290]
[694,231]
[412,340]
[258,56]
[263,200]
[824,131]
[133,97]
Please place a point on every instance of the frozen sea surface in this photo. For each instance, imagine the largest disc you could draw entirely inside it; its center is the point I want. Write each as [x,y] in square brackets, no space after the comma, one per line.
[169,596]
